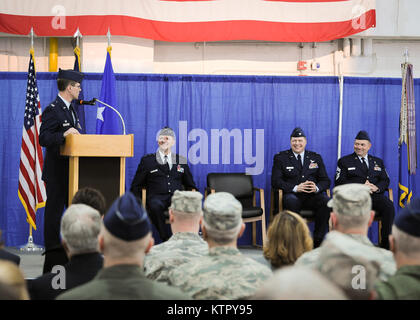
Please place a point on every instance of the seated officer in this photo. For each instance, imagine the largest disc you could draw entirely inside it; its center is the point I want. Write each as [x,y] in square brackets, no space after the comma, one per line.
[302,176]
[359,167]
[161,173]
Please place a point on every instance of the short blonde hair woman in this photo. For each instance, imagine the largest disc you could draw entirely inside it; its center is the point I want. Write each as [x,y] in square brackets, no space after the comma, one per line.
[288,238]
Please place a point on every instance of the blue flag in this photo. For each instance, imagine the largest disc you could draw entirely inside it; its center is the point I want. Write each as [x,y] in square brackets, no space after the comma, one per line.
[80,109]
[107,121]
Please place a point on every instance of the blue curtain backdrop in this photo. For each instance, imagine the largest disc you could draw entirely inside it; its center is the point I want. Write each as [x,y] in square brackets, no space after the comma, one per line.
[259,112]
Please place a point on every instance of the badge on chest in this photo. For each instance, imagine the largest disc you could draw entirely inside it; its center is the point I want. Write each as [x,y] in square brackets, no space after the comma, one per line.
[313,165]
[180,169]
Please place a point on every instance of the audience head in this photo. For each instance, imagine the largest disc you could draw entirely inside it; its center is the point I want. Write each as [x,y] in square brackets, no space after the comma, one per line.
[80,227]
[91,197]
[405,238]
[299,283]
[351,207]
[347,263]
[126,231]
[185,211]
[288,238]
[13,285]
[222,218]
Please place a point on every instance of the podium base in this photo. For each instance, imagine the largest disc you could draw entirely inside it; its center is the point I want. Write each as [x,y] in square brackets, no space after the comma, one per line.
[31,246]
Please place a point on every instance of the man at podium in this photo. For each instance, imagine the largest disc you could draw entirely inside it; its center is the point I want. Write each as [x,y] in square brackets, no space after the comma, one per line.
[161,173]
[58,120]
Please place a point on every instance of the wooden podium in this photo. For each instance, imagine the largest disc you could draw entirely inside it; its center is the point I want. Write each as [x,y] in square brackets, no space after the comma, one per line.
[98,161]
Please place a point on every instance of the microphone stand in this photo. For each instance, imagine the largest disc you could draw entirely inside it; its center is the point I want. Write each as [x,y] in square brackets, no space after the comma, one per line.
[107,105]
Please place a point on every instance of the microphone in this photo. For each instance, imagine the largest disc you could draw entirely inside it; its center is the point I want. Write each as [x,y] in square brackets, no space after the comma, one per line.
[88,102]
[113,109]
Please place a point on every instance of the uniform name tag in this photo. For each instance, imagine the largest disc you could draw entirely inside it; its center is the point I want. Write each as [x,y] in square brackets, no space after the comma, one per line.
[352,168]
[66,124]
[153,171]
[377,168]
[180,169]
[313,165]
[290,168]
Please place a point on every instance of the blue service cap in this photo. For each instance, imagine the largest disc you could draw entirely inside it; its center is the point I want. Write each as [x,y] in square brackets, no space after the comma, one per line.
[297,132]
[70,75]
[127,219]
[408,219]
[362,135]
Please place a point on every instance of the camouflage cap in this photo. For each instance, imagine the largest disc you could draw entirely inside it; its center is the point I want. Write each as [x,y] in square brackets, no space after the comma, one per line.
[221,211]
[186,201]
[351,199]
[348,263]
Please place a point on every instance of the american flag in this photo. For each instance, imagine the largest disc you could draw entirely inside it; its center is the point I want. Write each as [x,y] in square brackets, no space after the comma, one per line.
[193,20]
[31,192]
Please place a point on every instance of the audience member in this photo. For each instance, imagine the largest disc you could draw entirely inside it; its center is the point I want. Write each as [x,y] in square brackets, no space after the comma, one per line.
[91,197]
[14,285]
[346,262]
[224,273]
[299,283]
[185,244]
[80,226]
[288,238]
[352,215]
[124,240]
[405,244]
[6,255]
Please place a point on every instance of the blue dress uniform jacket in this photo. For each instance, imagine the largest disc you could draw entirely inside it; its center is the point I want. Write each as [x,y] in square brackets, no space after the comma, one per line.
[160,183]
[351,170]
[56,119]
[158,179]
[286,175]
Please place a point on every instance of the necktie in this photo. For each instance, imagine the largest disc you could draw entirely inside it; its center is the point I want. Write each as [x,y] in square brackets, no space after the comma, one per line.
[165,161]
[365,164]
[299,162]
[72,114]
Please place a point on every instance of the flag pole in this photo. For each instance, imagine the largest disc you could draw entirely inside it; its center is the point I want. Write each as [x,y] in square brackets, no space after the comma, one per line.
[30,246]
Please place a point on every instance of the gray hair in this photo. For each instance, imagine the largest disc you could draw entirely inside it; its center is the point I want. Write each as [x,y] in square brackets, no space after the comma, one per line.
[80,227]
[350,222]
[406,243]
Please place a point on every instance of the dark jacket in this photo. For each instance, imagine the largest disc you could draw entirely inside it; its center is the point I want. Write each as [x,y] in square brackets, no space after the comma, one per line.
[350,170]
[56,119]
[123,282]
[158,179]
[285,174]
[80,269]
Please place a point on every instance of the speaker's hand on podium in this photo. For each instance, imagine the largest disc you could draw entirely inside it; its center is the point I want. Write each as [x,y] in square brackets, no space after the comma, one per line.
[70,131]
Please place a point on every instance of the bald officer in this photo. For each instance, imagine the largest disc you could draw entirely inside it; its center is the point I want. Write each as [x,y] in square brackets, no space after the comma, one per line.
[59,119]
[302,176]
[361,167]
[162,173]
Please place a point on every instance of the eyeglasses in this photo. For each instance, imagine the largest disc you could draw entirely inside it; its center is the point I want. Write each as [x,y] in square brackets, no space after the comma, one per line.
[77,86]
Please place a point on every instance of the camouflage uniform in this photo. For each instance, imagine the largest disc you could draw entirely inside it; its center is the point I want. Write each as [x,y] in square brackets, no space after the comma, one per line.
[181,248]
[353,200]
[224,273]
[384,257]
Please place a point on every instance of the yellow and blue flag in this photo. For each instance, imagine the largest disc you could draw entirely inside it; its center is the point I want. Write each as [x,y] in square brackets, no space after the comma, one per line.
[407,142]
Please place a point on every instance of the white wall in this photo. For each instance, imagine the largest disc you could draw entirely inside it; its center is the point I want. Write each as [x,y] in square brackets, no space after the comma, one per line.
[398,28]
